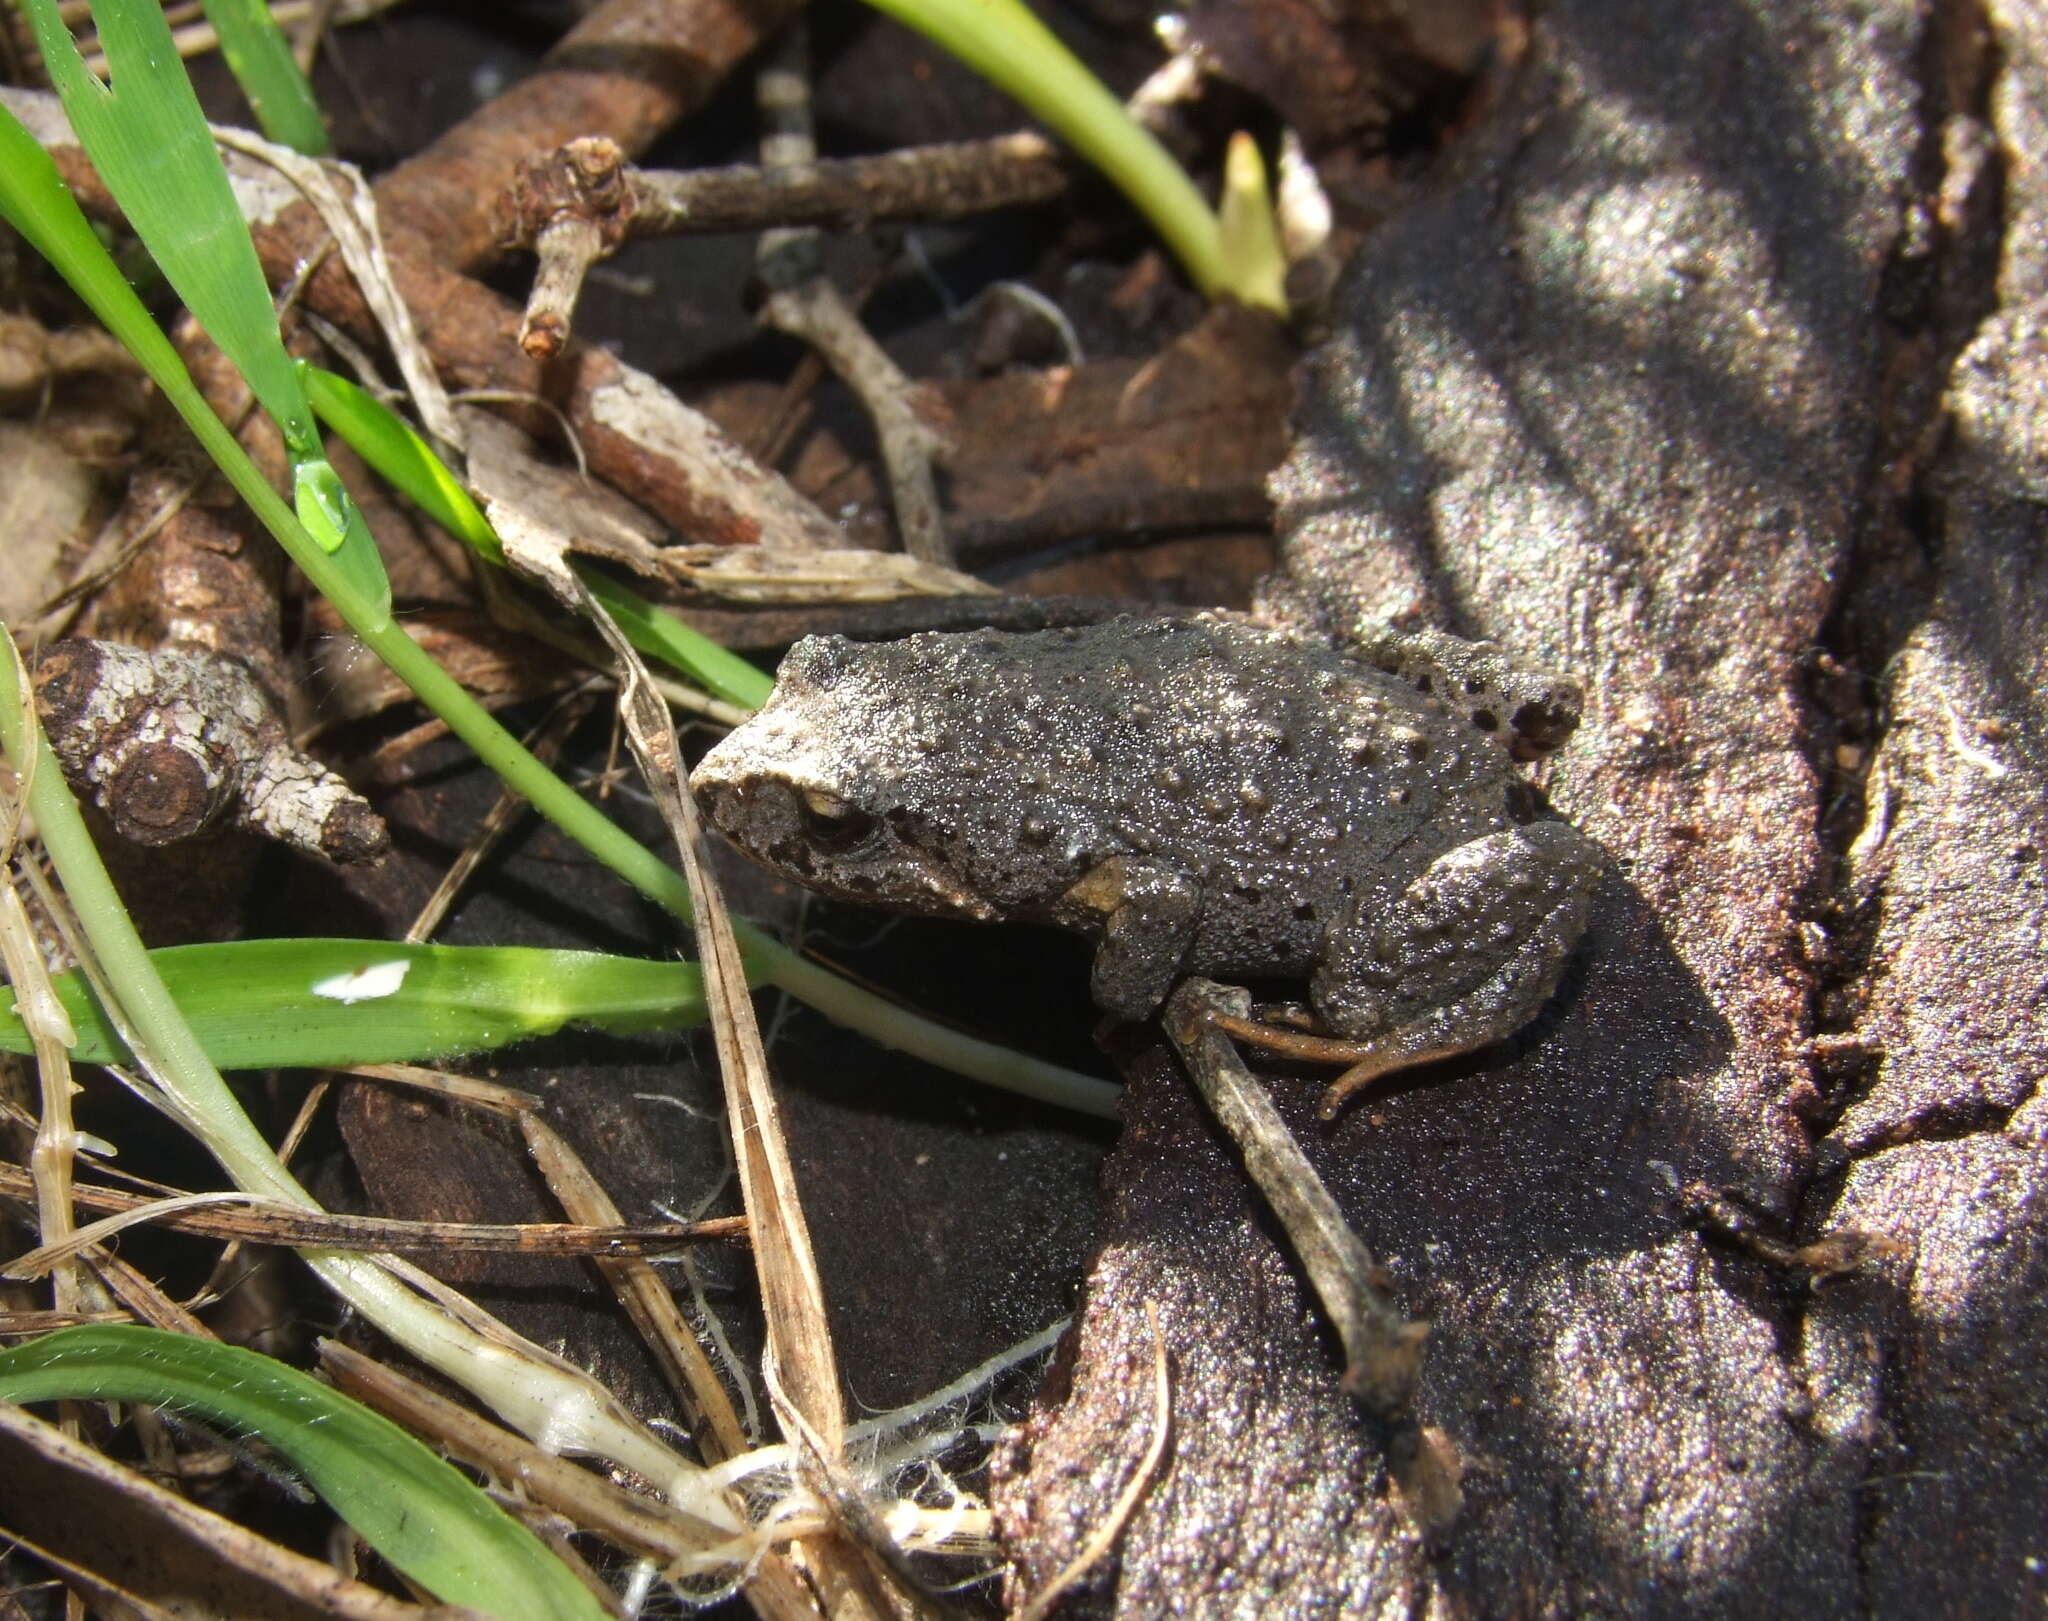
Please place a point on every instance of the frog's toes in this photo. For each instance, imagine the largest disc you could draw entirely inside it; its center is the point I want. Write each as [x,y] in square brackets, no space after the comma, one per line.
[1465,956]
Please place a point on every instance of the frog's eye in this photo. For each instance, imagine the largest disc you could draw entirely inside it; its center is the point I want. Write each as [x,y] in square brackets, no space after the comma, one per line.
[833,824]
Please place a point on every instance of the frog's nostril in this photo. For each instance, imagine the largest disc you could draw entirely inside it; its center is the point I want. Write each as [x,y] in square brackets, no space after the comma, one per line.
[722,805]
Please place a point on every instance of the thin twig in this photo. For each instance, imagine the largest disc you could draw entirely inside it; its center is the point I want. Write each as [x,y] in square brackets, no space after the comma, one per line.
[804,303]
[566,251]
[310,29]
[915,184]
[1382,1345]
[247,1217]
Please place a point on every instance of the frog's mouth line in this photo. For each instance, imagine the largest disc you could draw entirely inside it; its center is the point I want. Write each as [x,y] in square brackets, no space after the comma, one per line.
[835,848]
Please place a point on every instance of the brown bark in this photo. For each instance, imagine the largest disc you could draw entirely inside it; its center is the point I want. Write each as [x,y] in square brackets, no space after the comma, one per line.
[1181,440]
[628,71]
[1651,387]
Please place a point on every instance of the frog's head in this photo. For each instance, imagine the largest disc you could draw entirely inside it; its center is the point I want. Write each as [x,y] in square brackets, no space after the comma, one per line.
[846,780]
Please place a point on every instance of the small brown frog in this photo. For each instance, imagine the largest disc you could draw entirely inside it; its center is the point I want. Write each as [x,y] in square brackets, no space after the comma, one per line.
[1205,797]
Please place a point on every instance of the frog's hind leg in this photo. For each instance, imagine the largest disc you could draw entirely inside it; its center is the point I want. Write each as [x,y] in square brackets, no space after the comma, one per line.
[1463,957]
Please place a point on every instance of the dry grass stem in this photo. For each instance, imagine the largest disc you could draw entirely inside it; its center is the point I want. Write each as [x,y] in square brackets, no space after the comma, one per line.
[250,1218]
[646,1297]
[793,1304]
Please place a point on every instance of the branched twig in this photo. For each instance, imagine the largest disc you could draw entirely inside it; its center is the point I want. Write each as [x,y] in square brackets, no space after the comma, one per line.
[570,206]
[914,185]
[627,71]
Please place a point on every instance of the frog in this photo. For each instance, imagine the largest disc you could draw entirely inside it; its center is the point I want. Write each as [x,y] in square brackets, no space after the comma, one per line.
[1204,797]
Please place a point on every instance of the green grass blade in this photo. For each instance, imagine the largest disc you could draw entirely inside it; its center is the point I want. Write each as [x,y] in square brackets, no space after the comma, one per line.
[149,140]
[1004,42]
[407,462]
[400,457]
[416,1510]
[34,200]
[660,634]
[261,60]
[266,1004]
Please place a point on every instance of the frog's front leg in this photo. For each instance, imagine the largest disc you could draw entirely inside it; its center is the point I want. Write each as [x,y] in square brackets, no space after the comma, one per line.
[1147,916]
[1464,956]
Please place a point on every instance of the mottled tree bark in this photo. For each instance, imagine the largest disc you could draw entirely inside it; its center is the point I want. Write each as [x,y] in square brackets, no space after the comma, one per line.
[1708,372]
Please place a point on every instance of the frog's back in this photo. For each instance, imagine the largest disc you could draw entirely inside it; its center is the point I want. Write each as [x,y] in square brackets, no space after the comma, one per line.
[1270,768]
[1000,770]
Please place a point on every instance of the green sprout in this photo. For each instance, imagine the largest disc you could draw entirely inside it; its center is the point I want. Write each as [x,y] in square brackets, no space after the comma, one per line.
[1007,45]
[413,1507]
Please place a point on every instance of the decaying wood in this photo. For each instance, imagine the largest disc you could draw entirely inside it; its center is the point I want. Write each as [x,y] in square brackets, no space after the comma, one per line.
[1939,1384]
[1182,440]
[33,359]
[54,505]
[1635,389]
[172,741]
[1334,72]
[209,577]
[627,71]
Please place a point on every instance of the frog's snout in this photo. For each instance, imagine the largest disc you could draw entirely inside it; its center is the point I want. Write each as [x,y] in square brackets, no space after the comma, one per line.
[729,806]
